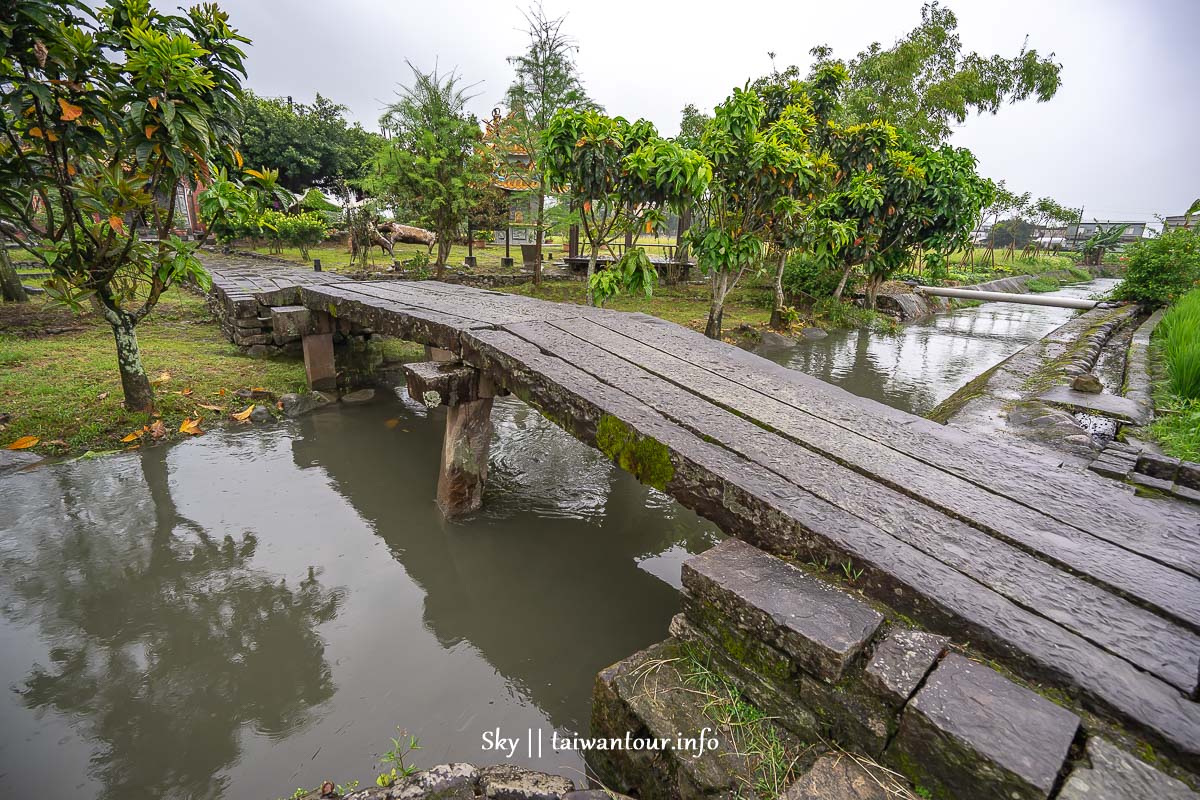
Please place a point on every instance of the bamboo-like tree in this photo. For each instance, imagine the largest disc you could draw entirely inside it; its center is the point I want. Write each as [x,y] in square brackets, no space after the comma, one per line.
[106,113]
[433,163]
[546,81]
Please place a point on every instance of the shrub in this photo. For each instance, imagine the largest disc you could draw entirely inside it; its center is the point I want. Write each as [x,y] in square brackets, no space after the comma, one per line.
[808,276]
[303,231]
[1161,269]
[1179,334]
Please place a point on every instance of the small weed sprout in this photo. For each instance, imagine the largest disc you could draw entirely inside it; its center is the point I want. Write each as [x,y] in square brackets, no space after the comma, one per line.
[403,746]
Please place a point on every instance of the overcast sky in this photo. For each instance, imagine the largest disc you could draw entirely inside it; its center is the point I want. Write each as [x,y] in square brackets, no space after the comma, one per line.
[1120,137]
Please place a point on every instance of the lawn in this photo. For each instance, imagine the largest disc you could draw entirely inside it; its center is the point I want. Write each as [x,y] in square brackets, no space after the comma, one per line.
[686,304]
[336,256]
[59,380]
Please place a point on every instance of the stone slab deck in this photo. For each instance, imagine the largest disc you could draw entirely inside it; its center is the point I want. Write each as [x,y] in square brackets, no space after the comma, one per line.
[1056,572]
[1108,405]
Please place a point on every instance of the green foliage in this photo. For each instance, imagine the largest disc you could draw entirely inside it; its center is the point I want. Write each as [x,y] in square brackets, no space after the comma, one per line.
[310,145]
[1176,427]
[1105,237]
[925,83]
[403,746]
[1179,334]
[1013,232]
[633,272]
[810,277]
[621,176]
[1041,284]
[229,209]
[107,112]
[303,231]
[1161,269]
[432,163]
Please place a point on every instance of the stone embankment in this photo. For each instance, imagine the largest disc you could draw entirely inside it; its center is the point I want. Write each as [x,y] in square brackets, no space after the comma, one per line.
[466,782]
[1030,395]
[830,669]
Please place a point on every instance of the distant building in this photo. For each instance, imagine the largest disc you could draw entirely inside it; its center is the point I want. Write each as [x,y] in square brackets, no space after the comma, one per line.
[1180,221]
[1082,231]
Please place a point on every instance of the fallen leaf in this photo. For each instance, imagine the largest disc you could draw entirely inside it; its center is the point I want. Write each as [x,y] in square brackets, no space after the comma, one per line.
[133,437]
[242,416]
[57,442]
[102,396]
[163,377]
[158,430]
[191,426]
[186,392]
[24,443]
[210,408]
[221,392]
[69,110]
[391,423]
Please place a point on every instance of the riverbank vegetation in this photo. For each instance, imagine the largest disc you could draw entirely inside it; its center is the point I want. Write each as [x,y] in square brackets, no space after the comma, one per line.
[1177,342]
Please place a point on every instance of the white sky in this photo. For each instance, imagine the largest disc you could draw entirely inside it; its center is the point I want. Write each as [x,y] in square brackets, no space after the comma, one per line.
[1119,138]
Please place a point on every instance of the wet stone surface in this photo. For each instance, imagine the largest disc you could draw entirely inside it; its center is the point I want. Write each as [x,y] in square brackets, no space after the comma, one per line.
[970,732]
[1117,775]
[900,662]
[822,629]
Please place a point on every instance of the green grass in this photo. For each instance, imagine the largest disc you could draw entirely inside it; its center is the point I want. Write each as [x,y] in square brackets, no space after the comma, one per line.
[1177,429]
[336,257]
[1042,284]
[687,304]
[64,388]
[1179,334]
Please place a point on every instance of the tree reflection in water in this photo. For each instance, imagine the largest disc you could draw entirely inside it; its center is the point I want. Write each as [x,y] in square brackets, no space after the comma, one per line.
[164,642]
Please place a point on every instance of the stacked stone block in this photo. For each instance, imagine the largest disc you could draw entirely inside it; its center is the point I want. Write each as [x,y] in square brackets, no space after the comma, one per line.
[829,666]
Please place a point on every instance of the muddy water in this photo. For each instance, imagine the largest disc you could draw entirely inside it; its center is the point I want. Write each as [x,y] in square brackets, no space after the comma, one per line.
[245,613]
[929,360]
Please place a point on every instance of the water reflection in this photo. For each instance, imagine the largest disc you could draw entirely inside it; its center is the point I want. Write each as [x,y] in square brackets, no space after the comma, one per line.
[160,639]
[927,361]
[256,610]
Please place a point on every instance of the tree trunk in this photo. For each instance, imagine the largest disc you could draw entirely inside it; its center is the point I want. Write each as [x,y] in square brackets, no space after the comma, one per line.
[716,312]
[541,217]
[591,270]
[777,321]
[11,289]
[841,287]
[134,381]
[443,246]
[873,284]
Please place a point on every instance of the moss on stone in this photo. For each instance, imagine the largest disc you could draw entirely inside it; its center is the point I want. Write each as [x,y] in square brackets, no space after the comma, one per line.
[646,458]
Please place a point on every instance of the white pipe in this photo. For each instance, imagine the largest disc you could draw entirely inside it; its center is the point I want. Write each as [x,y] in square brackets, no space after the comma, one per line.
[1007,297]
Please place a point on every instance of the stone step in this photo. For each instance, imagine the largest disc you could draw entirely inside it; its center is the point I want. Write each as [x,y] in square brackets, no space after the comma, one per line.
[650,697]
[820,628]
[970,732]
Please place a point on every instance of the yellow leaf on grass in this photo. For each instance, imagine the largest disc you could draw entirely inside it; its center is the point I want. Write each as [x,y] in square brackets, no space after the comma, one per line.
[210,408]
[163,377]
[221,392]
[257,389]
[158,430]
[191,426]
[186,392]
[242,416]
[70,111]
[24,443]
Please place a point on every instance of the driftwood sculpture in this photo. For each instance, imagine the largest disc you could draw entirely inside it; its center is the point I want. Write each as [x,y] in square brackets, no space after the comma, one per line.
[407,234]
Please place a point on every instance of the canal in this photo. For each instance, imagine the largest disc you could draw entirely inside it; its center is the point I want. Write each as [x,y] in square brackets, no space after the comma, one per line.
[928,360]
